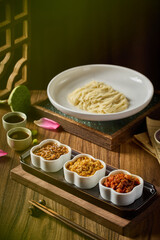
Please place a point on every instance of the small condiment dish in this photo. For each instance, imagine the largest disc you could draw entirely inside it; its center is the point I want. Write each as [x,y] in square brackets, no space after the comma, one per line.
[14,119]
[84,182]
[19,138]
[50,165]
[157,136]
[117,198]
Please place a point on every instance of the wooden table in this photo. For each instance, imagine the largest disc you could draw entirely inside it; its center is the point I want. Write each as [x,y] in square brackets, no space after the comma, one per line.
[16,223]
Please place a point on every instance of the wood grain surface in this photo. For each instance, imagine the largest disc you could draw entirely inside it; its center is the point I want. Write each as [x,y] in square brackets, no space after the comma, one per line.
[16,223]
[106,140]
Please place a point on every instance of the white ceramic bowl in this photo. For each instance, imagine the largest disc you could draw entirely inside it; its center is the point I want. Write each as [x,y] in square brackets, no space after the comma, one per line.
[8,124]
[19,144]
[121,199]
[49,165]
[81,181]
[134,85]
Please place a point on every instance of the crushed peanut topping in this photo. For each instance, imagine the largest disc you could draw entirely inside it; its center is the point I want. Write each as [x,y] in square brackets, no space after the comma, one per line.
[85,166]
[51,151]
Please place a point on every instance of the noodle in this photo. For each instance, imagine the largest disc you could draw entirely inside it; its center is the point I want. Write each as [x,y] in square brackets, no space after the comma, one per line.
[98,97]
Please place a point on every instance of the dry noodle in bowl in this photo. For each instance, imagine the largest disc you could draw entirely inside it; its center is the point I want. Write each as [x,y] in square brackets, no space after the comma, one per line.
[121,187]
[84,171]
[50,155]
[80,92]
[98,97]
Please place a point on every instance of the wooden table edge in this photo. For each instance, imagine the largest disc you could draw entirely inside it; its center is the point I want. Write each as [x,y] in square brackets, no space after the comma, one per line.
[109,220]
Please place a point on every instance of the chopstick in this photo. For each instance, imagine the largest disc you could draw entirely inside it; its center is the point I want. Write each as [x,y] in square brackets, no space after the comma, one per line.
[66,221]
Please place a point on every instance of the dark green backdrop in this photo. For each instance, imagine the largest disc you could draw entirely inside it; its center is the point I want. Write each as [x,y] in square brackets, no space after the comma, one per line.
[68,33]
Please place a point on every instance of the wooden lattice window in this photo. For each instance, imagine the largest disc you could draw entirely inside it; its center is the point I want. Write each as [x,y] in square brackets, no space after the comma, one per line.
[14,44]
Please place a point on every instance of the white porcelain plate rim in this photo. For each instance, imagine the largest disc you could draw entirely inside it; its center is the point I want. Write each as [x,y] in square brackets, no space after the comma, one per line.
[134,85]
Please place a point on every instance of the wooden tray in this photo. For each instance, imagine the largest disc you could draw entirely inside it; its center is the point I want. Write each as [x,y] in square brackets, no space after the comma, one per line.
[125,227]
[92,195]
[107,134]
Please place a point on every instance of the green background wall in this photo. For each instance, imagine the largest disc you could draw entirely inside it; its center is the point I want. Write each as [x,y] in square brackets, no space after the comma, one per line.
[68,33]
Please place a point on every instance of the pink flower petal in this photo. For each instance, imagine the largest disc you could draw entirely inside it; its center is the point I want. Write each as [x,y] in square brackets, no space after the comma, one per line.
[47,123]
[2,153]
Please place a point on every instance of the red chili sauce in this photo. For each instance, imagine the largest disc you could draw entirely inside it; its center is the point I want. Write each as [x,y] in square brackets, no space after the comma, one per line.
[122,183]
